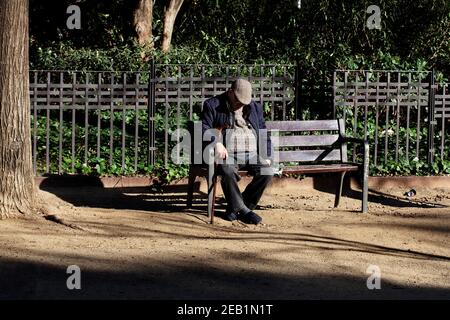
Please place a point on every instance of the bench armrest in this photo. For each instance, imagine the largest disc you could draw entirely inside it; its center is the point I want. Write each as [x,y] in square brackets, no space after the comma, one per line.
[362,142]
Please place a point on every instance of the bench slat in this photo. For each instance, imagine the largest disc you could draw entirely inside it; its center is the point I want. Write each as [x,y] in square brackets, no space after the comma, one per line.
[310,155]
[306,125]
[320,168]
[305,141]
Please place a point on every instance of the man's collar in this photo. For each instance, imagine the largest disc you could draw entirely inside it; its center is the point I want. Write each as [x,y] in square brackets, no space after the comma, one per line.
[246,110]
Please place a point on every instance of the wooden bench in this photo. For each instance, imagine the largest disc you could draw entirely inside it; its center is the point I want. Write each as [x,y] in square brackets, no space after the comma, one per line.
[304,147]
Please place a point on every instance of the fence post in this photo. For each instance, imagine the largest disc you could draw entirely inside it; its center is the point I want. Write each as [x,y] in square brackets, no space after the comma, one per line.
[297,87]
[333,88]
[151,115]
[431,119]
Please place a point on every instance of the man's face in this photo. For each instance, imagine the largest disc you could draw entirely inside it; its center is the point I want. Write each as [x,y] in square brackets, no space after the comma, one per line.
[234,102]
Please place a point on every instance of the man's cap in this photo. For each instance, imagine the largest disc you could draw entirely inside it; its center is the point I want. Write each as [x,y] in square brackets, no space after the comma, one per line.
[243,90]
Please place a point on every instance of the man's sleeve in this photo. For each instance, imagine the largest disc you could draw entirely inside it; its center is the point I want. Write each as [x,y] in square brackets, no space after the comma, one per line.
[207,117]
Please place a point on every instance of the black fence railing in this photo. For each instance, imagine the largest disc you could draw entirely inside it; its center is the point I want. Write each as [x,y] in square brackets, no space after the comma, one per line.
[120,122]
[442,119]
[84,117]
[402,113]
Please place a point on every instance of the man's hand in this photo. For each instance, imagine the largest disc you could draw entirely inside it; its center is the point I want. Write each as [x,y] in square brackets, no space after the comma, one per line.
[267,162]
[221,151]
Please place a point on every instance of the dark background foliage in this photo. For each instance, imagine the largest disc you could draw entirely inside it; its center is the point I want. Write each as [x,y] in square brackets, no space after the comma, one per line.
[322,34]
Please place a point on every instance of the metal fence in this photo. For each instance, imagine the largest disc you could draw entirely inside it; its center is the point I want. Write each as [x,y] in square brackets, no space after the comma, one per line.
[120,122]
[180,91]
[85,120]
[81,116]
[397,111]
[442,118]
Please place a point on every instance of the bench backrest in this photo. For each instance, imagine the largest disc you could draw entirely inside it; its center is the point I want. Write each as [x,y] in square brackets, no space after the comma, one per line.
[309,140]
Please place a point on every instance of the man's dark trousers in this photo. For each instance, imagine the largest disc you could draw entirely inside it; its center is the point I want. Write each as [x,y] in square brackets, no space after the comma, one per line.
[236,200]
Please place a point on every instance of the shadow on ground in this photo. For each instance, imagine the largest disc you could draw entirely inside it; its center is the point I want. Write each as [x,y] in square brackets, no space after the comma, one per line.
[375,196]
[33,276]
[89,192]
[162,280]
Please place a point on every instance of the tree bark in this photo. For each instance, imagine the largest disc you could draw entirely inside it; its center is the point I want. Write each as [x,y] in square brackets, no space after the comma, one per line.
[142,22]
[17,190]
[170,14]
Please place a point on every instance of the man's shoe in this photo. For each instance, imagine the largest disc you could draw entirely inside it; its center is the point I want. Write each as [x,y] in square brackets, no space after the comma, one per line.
[231,216]
[250,218]
[250,206]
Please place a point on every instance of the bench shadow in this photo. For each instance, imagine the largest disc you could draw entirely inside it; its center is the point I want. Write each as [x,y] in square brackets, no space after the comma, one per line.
[90,192]
[325,184]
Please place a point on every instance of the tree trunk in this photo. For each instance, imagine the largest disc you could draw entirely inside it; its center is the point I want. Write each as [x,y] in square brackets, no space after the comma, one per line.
[170,14]
[17,191]
[142,22]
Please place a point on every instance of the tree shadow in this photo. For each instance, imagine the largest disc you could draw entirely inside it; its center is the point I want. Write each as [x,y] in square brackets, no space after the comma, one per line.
[171,279]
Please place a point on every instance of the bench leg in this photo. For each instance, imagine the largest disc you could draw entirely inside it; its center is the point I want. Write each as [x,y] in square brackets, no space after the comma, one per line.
[339,190]
[191,183]
[365,193]
[365,179]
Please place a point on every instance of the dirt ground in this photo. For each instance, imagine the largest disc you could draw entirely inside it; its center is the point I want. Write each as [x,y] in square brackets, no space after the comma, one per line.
[138,243]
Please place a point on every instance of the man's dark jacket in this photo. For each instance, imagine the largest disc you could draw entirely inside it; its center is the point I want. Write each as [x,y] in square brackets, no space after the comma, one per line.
[216,115]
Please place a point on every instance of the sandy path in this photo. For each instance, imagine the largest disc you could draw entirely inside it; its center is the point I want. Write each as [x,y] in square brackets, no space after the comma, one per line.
[145,245]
